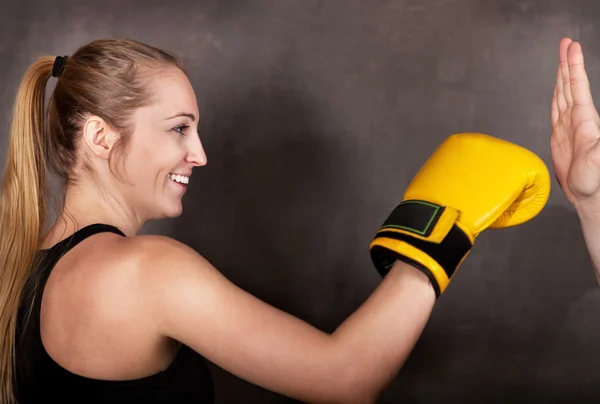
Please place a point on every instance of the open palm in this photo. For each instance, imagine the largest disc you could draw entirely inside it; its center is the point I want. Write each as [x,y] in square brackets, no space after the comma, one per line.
[575,128]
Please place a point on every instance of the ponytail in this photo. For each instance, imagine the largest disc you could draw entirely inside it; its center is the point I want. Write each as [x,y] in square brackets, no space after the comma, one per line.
[22,209]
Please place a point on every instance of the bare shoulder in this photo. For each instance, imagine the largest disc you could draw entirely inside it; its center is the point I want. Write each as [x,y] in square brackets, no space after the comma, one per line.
[105,293]
[144,257]
[108,260]
[152,270]
[138,266]
[172,278]
[155,249]
[164,262]
[170,281]
[121,276]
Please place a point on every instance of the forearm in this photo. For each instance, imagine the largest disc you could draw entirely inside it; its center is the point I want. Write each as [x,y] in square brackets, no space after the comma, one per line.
[589,217]
[374,342]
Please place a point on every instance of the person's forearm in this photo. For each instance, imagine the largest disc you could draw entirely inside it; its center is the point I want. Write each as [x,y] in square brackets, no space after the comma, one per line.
[375,341]
[589,217]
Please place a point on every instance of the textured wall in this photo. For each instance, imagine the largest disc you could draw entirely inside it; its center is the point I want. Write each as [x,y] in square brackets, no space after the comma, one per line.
[316,115]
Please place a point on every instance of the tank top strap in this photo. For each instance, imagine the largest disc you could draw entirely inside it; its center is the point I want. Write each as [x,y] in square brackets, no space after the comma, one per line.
[86,232]
[50,256]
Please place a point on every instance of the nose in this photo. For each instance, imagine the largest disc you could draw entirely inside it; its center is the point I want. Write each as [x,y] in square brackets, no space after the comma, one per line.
[196,154]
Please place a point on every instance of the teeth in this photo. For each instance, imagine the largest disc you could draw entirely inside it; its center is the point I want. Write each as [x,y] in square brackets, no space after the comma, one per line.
[179,178]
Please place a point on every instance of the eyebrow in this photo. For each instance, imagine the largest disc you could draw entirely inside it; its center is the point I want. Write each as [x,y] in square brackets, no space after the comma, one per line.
[191,116]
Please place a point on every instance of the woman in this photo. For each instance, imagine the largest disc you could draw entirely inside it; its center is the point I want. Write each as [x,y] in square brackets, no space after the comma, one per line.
[92,312]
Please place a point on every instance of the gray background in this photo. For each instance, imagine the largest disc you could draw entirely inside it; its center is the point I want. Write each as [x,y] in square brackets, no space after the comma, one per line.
[315,116]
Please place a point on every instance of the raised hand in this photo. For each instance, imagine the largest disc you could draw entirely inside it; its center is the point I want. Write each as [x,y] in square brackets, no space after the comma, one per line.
[575,129]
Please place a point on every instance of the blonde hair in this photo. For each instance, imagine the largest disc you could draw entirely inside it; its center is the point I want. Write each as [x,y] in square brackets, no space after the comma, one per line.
[101,78]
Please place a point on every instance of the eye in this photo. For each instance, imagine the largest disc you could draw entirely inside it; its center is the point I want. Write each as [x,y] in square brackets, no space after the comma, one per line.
[181,129]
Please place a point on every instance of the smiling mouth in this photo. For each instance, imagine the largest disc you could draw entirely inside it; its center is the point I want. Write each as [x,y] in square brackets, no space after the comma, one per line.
[182,179]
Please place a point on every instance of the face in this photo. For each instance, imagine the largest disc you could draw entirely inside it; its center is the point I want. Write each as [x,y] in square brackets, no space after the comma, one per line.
[164,148]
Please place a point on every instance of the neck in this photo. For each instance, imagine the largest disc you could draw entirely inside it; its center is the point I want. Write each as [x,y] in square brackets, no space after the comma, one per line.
[85,205]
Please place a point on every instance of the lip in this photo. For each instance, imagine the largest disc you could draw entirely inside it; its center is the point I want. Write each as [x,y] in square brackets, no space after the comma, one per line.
[178,187]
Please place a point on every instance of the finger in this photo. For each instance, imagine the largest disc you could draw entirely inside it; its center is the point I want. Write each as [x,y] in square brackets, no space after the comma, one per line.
[555,114]
[579,83]
[564,68]
[560,94]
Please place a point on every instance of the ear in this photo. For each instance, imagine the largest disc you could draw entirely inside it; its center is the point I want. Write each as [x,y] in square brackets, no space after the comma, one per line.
[98,136]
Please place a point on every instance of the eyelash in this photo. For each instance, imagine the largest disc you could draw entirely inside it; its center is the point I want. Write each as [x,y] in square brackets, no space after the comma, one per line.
[182,127]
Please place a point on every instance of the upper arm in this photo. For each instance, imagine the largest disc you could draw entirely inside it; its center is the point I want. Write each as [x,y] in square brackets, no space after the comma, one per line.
[192,302]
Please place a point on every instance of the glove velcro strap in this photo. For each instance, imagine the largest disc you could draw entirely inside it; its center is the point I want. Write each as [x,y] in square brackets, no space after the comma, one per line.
[424,235]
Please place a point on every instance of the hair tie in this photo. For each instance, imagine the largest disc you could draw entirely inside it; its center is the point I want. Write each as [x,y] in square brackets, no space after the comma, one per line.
[59,65]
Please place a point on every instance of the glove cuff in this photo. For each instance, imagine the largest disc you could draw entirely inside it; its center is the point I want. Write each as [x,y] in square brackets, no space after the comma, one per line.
[425,235]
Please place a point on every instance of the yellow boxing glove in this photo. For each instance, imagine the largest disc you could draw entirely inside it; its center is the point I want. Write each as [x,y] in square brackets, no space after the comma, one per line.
[470,183]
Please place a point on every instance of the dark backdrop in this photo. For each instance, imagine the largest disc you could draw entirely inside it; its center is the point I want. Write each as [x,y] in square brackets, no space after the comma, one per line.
[315,116]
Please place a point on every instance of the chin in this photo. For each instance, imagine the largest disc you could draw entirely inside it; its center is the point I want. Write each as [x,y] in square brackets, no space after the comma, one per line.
[172,214]
[172,211]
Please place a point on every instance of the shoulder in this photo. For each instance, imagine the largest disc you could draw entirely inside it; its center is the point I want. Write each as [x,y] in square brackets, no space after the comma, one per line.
[111,290]
[165,273]
[157,248]
[149,264]
[128,275]
[161,258]
[175,286]
[119,285]
[142,254]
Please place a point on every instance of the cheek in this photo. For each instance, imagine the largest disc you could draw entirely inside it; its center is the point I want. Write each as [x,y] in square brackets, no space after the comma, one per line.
[157,157]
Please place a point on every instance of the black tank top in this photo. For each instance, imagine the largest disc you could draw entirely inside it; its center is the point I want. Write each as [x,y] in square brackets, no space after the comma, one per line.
[39,379]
